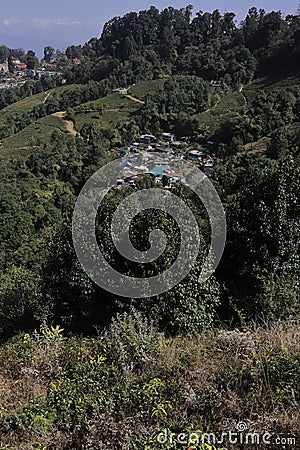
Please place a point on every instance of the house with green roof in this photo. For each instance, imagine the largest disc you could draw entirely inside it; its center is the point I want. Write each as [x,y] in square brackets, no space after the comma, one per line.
[157,173]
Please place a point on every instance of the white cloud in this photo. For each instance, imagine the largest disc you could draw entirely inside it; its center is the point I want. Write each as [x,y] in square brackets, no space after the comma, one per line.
[45,23]
[42,22]
[66,22]
[10,22]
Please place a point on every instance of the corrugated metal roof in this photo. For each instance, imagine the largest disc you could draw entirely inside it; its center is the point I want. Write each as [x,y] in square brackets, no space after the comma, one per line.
[157,171]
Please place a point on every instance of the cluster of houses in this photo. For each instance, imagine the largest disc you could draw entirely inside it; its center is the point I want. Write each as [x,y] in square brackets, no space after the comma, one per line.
[20,69]
[21,72]
[158,170]
[11,83]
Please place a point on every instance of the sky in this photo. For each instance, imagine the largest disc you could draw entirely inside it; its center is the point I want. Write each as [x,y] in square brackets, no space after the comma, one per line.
[33,24]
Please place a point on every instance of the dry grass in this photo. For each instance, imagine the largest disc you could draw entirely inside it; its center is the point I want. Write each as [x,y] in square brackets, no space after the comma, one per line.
[216,378]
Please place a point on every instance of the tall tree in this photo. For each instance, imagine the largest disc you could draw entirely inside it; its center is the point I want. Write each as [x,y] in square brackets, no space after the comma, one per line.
[31,60]
[49,53]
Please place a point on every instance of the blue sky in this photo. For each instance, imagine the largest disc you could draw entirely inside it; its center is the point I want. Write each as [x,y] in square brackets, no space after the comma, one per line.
[32,24]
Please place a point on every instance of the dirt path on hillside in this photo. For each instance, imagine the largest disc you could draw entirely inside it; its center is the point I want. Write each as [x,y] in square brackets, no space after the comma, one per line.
[70,127]
[60,114]
[69,124]
[47,96]
[242,94]
[134,99]
[111,110]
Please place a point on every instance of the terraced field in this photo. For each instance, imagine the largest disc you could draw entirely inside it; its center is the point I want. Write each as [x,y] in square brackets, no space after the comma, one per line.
[30,102]
[117,108]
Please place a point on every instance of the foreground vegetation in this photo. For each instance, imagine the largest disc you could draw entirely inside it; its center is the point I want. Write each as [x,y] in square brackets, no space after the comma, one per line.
[220,89]
[120,389]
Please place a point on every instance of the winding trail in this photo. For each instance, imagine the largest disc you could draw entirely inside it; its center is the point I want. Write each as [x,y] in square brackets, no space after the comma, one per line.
[134,99]
[242,94]
[47,96]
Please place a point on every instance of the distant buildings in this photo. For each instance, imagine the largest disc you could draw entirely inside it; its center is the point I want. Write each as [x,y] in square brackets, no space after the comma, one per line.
[161,171]
[170,179]
[196,155]
[168,138]
[147,139]
[157,173]
[20,68]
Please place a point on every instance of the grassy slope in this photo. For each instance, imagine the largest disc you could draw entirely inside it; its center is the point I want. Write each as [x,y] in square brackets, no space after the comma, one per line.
[121,389]
[117,107]
[140,90]
[229,104]
[18,145]
[30,102]
[35,134]
[270,84]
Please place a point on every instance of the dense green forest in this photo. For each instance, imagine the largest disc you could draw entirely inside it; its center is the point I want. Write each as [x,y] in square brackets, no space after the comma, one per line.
[230,90]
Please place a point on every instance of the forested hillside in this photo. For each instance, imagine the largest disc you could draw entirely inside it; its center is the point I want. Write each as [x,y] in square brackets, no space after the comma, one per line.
[228,90]
[151,44]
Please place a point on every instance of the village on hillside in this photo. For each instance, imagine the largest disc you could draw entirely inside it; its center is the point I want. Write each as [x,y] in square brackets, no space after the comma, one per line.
[16,73]
[157,154]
